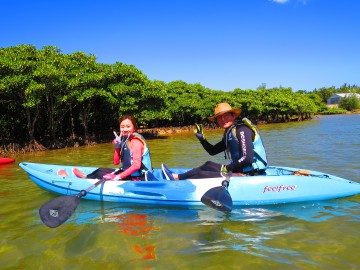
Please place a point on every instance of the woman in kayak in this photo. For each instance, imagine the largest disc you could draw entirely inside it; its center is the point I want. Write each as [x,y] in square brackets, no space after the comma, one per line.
[241,143]
[131,150]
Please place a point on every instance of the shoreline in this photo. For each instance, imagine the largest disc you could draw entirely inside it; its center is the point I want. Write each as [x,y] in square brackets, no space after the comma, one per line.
[149,133]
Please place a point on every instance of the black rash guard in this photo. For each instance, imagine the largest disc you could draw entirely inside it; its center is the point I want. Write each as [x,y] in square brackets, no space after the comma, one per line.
[211,169]
[246,137]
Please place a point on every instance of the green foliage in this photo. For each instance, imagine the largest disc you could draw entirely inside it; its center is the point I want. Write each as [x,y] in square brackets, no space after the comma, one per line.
[350,103]
[325,93]
[333,111]
[189,103]
[50,96]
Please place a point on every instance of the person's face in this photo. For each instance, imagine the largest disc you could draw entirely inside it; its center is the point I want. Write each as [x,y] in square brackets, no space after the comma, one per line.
[226,120]
[126,127]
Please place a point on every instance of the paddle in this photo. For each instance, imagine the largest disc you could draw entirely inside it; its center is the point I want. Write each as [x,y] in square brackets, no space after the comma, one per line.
[57,211]
[219,197]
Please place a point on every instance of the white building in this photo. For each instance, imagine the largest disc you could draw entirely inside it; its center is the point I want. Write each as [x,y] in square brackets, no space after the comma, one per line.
[335,99]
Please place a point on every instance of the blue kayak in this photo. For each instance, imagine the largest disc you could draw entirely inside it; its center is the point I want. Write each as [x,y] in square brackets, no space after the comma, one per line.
[278,185]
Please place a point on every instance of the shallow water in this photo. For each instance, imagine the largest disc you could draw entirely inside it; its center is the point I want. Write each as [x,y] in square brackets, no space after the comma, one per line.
[313,235]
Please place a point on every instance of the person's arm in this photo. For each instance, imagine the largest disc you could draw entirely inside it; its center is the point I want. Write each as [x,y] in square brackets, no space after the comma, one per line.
[213,149]
[245,136]
[137,148]
[116,156]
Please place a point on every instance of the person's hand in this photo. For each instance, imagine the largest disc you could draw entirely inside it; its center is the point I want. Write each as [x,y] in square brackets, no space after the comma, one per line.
[199,133]
[224,171]
[119,142]
[110,176]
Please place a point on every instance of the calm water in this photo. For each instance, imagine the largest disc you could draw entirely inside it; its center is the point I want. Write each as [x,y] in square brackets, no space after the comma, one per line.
[317,235]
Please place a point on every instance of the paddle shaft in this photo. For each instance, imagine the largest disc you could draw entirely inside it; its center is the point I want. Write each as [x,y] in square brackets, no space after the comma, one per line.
[84,192]
[226,182]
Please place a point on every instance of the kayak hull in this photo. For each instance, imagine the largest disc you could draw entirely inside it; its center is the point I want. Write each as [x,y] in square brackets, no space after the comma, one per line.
[5,160]
[277,186]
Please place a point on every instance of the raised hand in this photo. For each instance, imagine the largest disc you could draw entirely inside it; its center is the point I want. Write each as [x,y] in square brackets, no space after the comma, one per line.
[199,133]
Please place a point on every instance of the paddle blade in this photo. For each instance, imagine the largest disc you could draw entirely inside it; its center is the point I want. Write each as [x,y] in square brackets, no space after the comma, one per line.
[218,198]
[57,211]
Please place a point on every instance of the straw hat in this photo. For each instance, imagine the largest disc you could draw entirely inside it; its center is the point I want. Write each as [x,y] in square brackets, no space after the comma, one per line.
[222,108]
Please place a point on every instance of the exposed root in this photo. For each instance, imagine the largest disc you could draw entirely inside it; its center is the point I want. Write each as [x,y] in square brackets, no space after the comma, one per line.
[35,147]
[14,148]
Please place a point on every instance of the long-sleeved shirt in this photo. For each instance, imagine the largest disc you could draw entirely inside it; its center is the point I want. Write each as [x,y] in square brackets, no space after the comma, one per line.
[246,148]
[137,149]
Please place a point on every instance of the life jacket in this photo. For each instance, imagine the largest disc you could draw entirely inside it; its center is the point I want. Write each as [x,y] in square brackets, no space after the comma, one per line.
[233,148]
[127,156]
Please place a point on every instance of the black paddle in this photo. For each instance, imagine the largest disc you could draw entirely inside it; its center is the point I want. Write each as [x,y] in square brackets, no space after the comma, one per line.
[57,211]
[219,197]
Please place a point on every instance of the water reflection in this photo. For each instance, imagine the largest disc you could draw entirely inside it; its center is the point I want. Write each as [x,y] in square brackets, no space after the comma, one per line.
[7,171]
[139,220]
[271,232]
[136,225]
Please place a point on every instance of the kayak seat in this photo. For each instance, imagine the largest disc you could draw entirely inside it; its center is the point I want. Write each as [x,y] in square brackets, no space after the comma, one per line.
[149,176]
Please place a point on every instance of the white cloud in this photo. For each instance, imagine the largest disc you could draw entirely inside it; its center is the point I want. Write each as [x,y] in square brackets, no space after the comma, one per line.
[280,1]
[286,1]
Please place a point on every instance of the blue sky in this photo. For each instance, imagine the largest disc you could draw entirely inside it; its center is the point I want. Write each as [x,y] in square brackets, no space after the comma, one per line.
[221,44]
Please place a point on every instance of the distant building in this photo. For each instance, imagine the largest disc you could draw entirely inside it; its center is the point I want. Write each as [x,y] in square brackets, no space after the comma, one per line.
[335,99]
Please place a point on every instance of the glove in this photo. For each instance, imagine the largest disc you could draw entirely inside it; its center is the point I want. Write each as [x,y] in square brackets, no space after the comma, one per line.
[119,142]
[199,133]
[223,169]
[116,143]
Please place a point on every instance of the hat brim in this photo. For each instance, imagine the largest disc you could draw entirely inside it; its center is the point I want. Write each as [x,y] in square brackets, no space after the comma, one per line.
[234,111]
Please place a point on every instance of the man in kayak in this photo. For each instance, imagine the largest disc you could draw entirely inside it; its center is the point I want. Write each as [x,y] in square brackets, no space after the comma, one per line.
[131,150]
[241,143]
